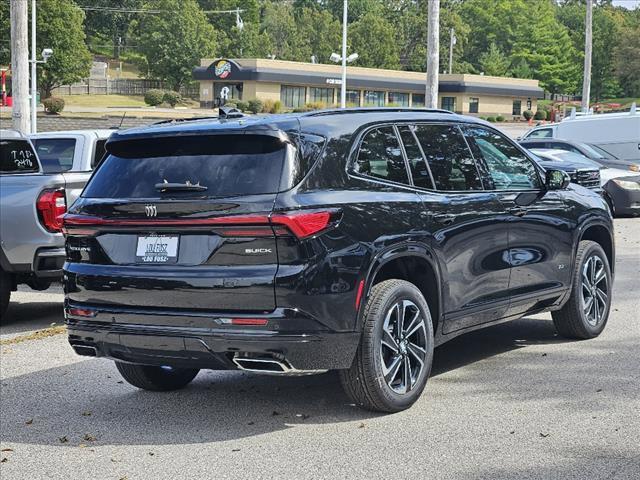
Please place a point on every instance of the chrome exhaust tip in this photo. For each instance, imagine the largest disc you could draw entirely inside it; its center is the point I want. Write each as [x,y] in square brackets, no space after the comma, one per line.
[269,365]
[85,350]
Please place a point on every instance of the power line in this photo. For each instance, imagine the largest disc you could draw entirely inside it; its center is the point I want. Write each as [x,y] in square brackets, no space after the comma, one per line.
[124,10]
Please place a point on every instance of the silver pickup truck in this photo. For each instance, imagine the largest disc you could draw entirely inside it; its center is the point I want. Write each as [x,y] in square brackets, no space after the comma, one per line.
[40,176]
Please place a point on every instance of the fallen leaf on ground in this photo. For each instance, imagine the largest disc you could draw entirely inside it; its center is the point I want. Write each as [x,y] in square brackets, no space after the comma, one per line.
[89,438]
[235,450]
[544,435]
[274,413]
[29,422]
[86,414]
[63,439]
[361,425]
[4,459]
[7,449]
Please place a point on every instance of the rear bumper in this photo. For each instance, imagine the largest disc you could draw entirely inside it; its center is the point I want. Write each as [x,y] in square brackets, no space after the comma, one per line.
[202,340]
[48,262]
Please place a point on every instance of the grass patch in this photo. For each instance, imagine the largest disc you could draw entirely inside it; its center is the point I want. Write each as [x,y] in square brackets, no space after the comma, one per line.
[104,101]
[37,335]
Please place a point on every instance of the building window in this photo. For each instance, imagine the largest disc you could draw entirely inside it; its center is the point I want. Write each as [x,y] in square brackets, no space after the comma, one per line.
[292,97]
[417,100]
[322,95]
[234,91]
[448,103]
[399,99]
[353,98]
[373,99]
[517,107]
[528,104]
[474,103]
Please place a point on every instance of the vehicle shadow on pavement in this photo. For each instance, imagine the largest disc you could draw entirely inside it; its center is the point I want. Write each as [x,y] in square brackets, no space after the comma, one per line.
[87,399]
[25,317]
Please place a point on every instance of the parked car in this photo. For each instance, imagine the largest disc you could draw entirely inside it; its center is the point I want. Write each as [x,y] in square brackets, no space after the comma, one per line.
[592,152]
[40,176]
[618,187]
[581,170]
[622,190]
[616,133]
[354,240]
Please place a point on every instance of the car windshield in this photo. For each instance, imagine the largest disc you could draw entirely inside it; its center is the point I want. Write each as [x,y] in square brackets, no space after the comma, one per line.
[598,152]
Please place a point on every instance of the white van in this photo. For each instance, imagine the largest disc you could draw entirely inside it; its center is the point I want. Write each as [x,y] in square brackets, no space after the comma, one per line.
[617,133]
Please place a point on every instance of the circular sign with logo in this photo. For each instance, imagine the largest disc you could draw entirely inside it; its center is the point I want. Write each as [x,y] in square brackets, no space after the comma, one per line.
[223,69]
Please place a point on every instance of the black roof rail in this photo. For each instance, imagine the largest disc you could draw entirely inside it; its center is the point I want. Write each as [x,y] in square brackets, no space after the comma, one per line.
[333,111]
[181,120]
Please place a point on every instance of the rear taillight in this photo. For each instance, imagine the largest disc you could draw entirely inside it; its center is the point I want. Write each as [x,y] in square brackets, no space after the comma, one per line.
[305,224]
[51,206]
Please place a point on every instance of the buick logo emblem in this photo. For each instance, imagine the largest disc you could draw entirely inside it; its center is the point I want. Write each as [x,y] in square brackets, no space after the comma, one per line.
[151,210]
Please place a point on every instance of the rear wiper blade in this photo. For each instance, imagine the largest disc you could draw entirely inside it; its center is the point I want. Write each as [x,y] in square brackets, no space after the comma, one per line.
[180,187]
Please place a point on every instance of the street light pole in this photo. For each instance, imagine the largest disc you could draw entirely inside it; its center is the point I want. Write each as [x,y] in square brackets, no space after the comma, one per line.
[433,55]
[34,87]
[343,90]
[586,79]
[452,42]
[20,65]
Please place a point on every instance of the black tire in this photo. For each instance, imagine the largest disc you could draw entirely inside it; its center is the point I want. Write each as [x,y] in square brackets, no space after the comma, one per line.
[572,321]
[156,379]
[5,291]
[365,381]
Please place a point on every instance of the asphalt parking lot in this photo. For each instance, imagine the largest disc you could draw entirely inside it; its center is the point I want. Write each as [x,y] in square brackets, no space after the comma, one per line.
[512,401]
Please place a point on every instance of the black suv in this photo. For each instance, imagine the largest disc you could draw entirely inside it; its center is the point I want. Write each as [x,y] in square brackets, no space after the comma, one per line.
[354,240]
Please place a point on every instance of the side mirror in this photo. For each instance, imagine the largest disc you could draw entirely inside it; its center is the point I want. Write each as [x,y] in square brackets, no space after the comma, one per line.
[556,180]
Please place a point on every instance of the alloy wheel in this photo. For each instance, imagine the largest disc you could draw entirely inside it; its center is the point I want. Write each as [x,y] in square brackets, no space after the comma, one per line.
[403,346]
[595,290]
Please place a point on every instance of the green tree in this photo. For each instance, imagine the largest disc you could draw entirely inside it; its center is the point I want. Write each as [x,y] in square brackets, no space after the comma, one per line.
[279,24]
[322,33]
[374,40]
[494,62]
[628,62]
[5,34]
[174,41]
[109,26]
[60,27]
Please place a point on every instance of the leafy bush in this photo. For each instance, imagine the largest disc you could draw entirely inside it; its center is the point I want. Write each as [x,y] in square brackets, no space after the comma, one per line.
[499,118]
[53,105]
[491,119]
[267,105]
[171,97]
[254,105]
[230,105]
[540,115]
[527,114]
[154,97]
[277,107]
[242,106]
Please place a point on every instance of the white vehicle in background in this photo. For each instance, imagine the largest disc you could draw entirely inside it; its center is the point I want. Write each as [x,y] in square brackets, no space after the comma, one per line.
[616,133]
[73,153]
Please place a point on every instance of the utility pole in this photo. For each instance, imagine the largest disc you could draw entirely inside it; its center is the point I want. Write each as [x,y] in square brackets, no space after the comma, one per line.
[586,79]
[343,89]
[452,42]
[20,65]
[34,80]
[433,54]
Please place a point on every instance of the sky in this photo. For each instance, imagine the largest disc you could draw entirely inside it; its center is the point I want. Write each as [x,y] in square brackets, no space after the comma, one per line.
[627,3]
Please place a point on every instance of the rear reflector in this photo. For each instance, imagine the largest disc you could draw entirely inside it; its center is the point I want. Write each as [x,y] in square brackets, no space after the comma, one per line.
[249,321]
[51,206]
[81,312]
[359,293]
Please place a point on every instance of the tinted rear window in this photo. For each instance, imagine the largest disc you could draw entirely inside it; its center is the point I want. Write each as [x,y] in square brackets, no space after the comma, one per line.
[17,156]
[228,165]
[55,154]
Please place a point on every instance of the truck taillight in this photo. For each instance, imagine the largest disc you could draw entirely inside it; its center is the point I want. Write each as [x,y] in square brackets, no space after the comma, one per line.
[51,206]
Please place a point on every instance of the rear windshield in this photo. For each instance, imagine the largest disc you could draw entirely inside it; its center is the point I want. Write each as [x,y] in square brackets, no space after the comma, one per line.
[17,156]
[55,154]
[227,165]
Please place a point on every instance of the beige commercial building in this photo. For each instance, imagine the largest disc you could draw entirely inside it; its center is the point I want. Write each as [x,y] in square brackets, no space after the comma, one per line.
[297,83]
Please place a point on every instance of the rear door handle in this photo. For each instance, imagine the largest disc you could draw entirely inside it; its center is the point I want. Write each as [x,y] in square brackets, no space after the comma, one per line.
[518,211]
[444,218]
